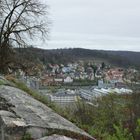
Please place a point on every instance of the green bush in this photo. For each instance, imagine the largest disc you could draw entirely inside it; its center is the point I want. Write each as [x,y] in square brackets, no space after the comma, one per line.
[137,131]
[27,136]
[120,134]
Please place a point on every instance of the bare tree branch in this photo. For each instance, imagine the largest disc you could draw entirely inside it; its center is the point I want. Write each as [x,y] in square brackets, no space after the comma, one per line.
[23,16]
[21,20]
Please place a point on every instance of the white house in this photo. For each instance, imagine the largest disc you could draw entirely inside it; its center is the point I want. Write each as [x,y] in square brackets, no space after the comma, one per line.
[68,79]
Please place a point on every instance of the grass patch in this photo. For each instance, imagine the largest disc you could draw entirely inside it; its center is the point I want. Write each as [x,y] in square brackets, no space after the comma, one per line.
[2,82]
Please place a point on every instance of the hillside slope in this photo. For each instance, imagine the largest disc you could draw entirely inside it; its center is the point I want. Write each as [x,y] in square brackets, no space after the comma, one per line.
[119,58]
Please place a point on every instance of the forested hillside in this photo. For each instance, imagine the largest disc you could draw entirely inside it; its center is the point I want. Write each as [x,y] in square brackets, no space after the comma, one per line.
[118,58]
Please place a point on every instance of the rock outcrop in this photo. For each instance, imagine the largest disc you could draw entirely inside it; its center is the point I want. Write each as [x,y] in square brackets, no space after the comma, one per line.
[56,137]
[20,114]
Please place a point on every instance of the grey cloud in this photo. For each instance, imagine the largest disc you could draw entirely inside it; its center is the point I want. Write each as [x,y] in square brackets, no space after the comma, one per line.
[105,20]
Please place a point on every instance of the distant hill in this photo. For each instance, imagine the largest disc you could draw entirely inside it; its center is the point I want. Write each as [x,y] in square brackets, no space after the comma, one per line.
[119,58]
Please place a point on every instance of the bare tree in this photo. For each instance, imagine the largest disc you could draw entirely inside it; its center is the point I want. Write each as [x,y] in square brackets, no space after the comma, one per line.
[19,21]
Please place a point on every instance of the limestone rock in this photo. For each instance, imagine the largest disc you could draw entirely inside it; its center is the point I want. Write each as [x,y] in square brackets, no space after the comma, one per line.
[56,137]
[21,114]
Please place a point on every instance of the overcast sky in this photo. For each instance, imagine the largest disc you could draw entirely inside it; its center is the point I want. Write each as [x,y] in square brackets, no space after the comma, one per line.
[95,24]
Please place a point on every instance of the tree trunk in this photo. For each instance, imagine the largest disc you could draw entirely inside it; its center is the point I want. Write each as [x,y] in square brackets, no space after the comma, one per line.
[5,56]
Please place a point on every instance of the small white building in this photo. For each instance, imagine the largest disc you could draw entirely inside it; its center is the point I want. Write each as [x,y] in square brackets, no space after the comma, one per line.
[58,80]
[68,79]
